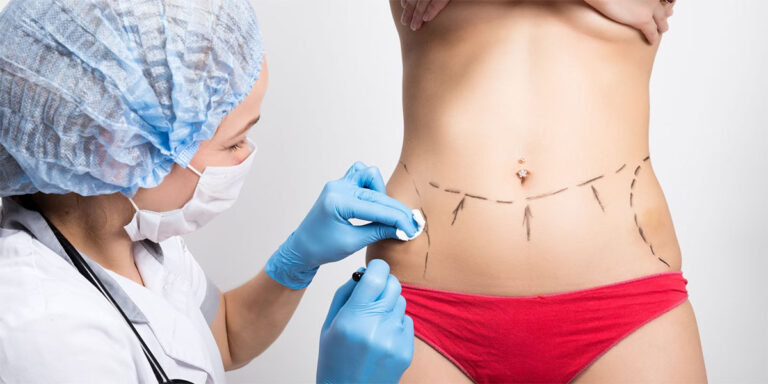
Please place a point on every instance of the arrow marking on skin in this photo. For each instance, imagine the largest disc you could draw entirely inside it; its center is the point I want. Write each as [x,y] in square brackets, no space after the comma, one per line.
[527,221]
[458,208]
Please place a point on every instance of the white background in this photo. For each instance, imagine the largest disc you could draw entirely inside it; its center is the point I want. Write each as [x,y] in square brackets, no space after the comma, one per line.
[334,98]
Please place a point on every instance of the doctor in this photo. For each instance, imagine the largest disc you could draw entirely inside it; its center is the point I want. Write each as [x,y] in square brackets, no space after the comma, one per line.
[123,125]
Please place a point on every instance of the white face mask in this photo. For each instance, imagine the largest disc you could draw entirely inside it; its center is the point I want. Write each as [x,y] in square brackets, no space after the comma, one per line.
[216,191]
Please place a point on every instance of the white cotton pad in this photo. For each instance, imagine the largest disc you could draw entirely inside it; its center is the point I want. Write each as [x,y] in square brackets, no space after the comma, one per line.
[418,217]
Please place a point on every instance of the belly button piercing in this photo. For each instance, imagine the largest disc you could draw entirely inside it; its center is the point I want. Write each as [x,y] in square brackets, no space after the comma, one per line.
[522,173]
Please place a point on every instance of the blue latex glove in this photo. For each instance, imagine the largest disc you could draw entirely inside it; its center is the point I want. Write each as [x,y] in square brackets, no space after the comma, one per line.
[326,235]
[367,337]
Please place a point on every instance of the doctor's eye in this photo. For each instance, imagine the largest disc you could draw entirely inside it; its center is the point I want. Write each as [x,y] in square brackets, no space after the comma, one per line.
[237,146]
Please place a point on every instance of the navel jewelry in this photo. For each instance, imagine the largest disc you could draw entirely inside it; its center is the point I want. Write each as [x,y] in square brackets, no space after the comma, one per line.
[522,173]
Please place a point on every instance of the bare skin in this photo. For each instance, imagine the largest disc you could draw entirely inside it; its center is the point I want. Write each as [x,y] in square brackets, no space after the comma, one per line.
[566,89]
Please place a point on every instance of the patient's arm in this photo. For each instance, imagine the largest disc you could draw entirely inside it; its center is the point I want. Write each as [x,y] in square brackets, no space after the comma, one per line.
[647,16]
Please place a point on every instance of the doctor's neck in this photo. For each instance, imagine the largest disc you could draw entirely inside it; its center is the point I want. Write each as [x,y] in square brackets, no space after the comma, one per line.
[94,225]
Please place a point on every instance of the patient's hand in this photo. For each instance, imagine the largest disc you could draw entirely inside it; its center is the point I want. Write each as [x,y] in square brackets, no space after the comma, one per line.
[647,16]
[416,12]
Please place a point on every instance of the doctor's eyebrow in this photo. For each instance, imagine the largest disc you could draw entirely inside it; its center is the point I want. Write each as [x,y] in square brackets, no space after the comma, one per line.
[249,125]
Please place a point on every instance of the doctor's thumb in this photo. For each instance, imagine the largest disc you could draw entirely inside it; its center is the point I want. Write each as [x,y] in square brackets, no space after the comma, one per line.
[375,232]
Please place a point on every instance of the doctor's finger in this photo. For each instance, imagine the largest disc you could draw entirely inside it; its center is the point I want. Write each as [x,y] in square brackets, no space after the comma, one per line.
[357,166]
[399,310]
[372,284]
[408,326]
[374,232]
[370,178]
[391,293]
[383,199]
[339,299]
[378,213]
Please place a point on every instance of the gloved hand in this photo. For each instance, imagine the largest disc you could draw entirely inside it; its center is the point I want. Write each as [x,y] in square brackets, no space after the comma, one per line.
[326,235]
[367,337]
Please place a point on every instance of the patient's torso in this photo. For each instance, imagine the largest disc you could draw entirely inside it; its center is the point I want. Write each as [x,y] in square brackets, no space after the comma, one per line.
[565,90]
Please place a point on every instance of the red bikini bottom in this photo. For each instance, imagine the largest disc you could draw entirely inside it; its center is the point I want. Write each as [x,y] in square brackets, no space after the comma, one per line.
[537,339]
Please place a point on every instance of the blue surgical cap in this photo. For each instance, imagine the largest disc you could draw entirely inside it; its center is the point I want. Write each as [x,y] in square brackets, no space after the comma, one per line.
[104,96]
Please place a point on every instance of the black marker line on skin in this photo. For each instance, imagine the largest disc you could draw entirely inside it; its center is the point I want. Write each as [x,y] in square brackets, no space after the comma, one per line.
[622,167]
[662,260]
[504,201]
[639,229]
[527,222]
[597,197]
[647,157]
[436,185]
[418,194]
[452,190]
[458,208]
[475,196]
[637,170]
[589,181]
[545,194]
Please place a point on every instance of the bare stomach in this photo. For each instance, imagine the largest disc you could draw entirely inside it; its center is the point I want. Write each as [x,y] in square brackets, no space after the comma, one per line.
[487,85]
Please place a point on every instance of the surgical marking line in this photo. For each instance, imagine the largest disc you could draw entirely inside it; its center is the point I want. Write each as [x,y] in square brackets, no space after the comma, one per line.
[545,194]
[429,243]
[589,181]
[413,181]
[458,208]
[527,222]
[534,197]
[637,224]
[597,197]
[426,221]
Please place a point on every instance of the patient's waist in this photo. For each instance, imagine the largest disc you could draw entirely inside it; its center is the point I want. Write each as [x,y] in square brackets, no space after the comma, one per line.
[489,233]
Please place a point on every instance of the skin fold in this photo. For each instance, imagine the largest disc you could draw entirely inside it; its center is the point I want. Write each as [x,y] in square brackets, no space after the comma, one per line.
[486,84]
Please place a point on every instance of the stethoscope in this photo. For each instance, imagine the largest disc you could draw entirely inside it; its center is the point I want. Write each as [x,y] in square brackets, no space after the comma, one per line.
[87,272]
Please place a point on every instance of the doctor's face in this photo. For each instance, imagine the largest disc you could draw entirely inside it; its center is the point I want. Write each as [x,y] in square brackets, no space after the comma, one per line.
[227,147]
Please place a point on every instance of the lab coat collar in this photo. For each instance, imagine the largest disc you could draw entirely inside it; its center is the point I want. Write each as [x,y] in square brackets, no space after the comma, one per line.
[172,327]
[14,216]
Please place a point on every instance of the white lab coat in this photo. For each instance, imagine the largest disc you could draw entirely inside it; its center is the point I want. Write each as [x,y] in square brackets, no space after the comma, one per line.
[55,327]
